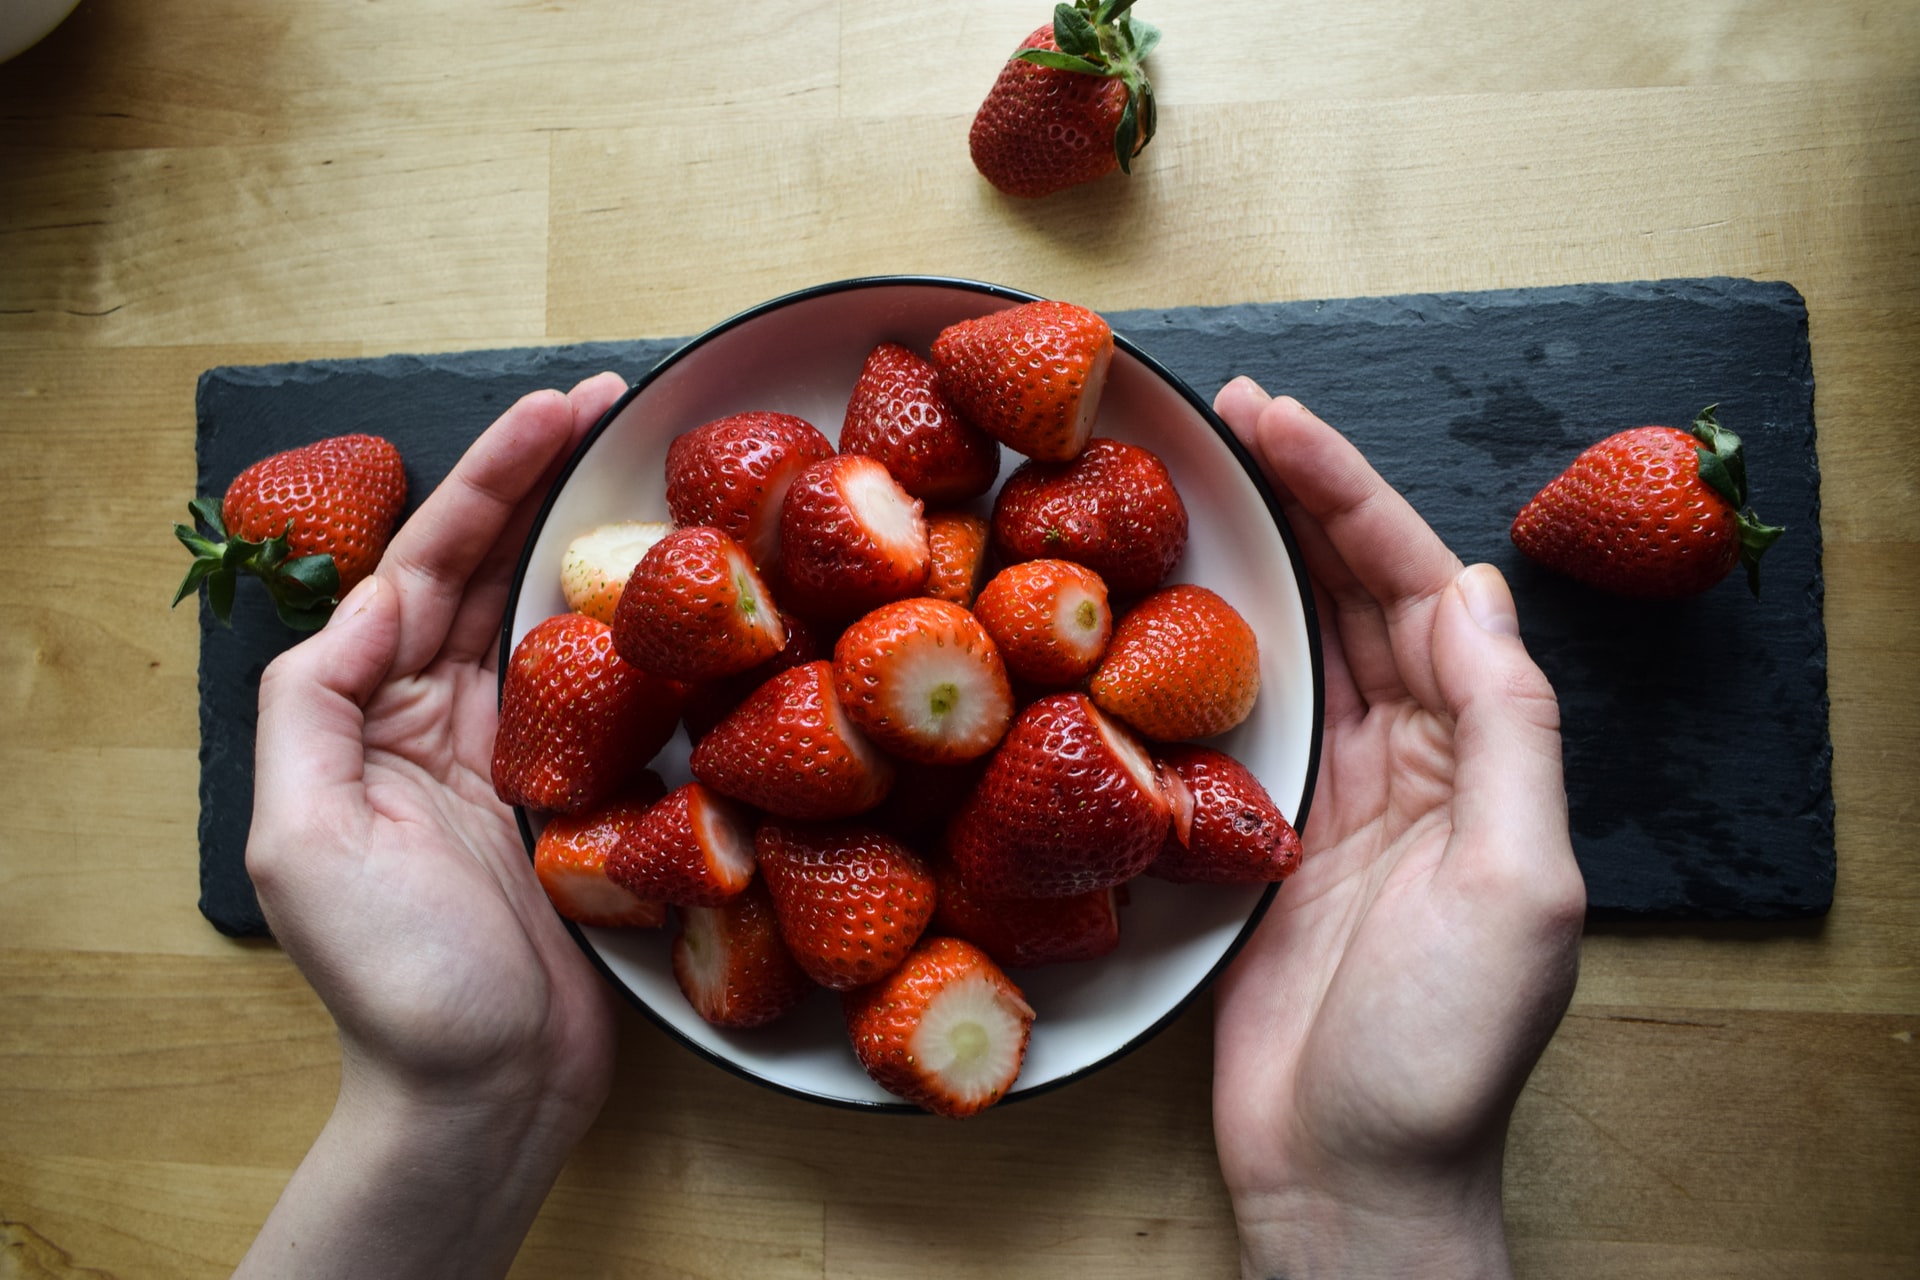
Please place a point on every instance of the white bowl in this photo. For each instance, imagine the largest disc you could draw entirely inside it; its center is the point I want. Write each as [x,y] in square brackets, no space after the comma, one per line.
[800,354]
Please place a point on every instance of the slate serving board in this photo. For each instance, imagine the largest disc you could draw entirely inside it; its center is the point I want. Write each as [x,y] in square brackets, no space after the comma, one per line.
[1698,760]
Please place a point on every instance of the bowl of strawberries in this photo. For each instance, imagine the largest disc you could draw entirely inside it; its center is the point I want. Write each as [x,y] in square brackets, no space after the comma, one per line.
[910,694]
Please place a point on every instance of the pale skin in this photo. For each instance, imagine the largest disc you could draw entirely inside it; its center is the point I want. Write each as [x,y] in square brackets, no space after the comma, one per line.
[1371,1039]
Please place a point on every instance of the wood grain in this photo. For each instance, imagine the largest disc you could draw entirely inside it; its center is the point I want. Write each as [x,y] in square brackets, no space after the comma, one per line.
[240,181]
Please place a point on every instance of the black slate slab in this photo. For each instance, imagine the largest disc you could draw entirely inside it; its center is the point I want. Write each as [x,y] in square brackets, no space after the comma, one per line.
[1696,733]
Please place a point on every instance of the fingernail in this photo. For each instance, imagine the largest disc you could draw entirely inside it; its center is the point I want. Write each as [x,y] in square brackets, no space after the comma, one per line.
[1254,387]
[355,602]
[1488,601]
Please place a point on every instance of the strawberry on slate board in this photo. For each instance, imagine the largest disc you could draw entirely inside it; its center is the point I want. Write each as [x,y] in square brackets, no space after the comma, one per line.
[1654,512]
[1113,509]
[1071,105]
[310,522]
[851,900]
[947,1030]
[732,965]
[1030,376]
[898,416]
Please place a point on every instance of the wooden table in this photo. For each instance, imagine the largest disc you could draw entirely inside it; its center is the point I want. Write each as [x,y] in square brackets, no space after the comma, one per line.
[186,184]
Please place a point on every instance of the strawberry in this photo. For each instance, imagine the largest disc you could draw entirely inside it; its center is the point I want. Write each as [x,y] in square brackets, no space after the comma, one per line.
[709,702]
[694,848]
[1228,830]
[1029,376]
[731,964]
[595,568]
[851,539]
[695,609]
[957,554]
[1021,933]
[851,901]
[947,1030]
[576,721]
[1113,509]
[924,799]
[792,750]
[1071,105]
[570,858]
[1183,663]
[1654,512]
[733,474]
[924,680]
[898,416]
[310,523]
[1050,619]
[1070,802]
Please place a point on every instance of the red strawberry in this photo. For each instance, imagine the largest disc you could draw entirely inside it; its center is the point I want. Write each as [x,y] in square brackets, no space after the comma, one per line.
[1022,933]
[957,548]
[709,702]
[792,750]
[898,416]
[1071,105]
[576,721]
[1050,619]
[570,858]
[1228,831]
[597,564]
[694,848]
[947,1030]
[695,609]
[733,473]
[1071,802]
[924,680]
[1183,663]
[851,901]
[851,539]
[1029,376]
[1113,509]
[924,799]
[731,964]
[310,522]
[1653,512]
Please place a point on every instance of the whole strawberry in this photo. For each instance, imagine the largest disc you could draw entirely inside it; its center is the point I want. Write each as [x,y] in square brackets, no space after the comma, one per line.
[1030,376]
[1654,512]
[1113,509]
[1182,663]
[310,522]
[1071,105]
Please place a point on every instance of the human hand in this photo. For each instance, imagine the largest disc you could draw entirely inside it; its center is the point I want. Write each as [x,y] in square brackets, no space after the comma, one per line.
[476,1040]
[1373,1036]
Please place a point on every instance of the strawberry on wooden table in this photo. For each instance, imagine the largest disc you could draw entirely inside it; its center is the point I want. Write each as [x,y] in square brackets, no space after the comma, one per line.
[570,859]
[1113,509]
[1072,104]
[898,416]
[731,964]
[596,565]
[692,848]
[1023,933]
[1050,619]
[851,900]
[851,539]
[1030,376]
[696,609]
[732,473]
[577,722]
[1182,664]
[947,1030]
[310,522]
[925,681]
[793,750]
[1653,512]
[1226,828]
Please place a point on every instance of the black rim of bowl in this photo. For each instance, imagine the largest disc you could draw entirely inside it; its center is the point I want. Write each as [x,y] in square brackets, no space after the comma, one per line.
[1310,617]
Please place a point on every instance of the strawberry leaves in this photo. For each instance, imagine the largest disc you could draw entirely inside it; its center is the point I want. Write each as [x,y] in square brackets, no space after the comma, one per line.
[1723,468]
[1100,38]
[303,588]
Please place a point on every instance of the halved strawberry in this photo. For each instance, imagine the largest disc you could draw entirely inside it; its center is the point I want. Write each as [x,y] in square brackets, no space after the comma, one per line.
[694,848]
[710,701]
[898,416]
[570,858]
[957,550]
[1050,619]
[792,750]
[851,539]
[695,609]
[731,964]
[732,473]
[1113,509]
[1029,376]
[1069,803]
[577,722]
[851,900]
[595,568]
[1025,932]
[1183,663]
[947,1030]
[924,680]
[1232,832]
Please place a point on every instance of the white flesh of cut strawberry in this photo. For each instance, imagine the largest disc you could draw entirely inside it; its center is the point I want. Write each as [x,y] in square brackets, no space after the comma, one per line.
[1131,756]
[890,516]
[599,562]
[754,603]
[1081,623]
[970,1040]
[1089,407]
[588,898]
[944,698]
[701,952]
[725,832]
